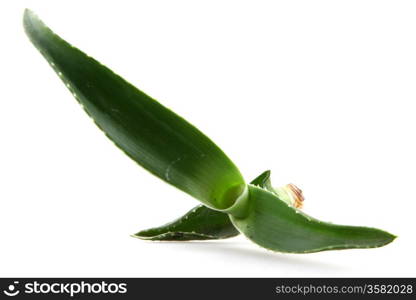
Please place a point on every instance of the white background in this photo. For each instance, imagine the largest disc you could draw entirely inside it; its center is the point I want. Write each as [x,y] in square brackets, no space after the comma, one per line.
[320,92]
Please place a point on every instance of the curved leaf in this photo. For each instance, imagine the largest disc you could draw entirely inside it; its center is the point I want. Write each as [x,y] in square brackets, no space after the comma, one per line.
[275,225]
[200,223]
[152,135]
[177,152]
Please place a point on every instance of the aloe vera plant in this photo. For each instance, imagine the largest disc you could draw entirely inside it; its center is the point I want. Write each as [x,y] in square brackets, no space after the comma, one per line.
[178,153]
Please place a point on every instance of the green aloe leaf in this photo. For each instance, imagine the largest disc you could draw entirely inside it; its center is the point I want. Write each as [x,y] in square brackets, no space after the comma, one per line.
[275,225]
[264,181]
[152,135]
[200,223]
[178,153]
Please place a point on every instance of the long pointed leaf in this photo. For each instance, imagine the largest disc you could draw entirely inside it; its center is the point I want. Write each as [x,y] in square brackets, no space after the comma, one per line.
[152,135]
[200,223]
[175,151]
[275,225]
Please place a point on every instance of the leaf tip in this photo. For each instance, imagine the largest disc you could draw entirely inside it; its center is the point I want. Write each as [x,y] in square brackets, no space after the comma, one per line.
[31,23]
[390,237]
[28,15]
[136,235]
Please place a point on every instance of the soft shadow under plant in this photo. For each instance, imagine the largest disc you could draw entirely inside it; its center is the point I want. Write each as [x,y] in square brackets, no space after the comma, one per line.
[175,151]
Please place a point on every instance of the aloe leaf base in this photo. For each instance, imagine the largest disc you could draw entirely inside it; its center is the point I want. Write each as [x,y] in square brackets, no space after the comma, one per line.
[174,150]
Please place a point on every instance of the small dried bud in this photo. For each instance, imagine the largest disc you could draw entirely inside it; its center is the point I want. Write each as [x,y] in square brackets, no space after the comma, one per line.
[291,194]
[296,195]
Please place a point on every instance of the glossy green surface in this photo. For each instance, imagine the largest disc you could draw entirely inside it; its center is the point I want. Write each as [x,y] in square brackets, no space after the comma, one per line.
[200,223]
[277,226]
[178,153]
[152,135]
